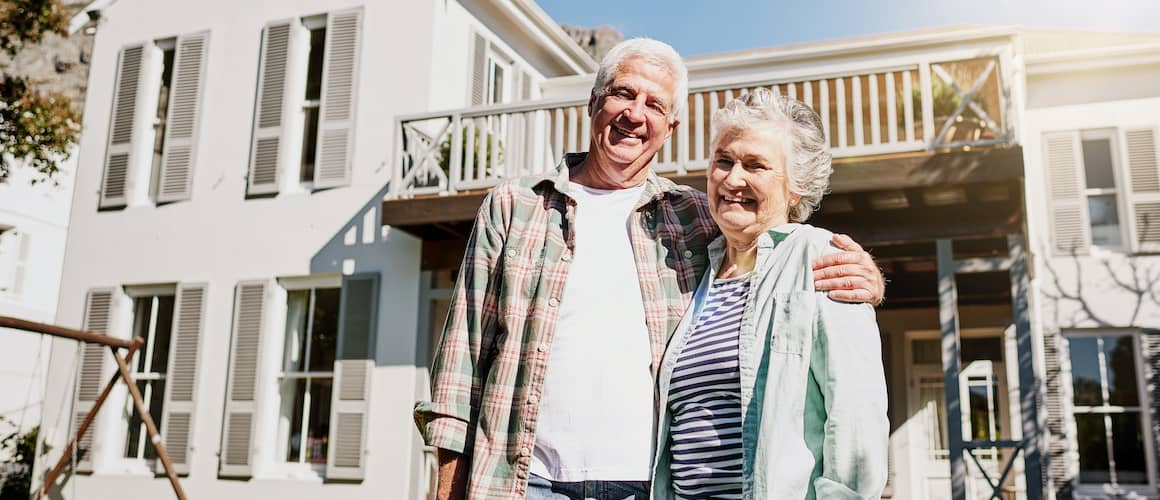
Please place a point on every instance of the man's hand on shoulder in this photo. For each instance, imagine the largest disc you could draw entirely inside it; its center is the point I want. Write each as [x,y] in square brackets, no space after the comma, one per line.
[850,275]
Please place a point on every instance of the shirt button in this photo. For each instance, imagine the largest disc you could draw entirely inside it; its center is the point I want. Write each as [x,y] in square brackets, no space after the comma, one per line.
[566,257]
[688,254]
[532,399]
[525,451]
[542,347]
[553,302]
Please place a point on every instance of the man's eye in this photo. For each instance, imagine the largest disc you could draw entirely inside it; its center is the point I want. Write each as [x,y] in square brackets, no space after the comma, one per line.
[724,163]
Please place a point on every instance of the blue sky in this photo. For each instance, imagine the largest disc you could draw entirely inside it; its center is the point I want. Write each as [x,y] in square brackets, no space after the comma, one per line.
[705,27]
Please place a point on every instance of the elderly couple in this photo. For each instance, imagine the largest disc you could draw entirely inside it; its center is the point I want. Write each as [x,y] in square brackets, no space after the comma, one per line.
[614,335]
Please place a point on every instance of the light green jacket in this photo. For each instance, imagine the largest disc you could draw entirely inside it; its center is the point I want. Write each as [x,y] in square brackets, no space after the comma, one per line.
[813,391]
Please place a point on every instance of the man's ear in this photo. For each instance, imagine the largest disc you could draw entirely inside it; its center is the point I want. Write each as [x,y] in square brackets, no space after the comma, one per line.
[591,103]
[672,128]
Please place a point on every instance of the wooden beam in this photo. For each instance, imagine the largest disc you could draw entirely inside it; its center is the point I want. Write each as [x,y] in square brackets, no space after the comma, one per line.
[60,331]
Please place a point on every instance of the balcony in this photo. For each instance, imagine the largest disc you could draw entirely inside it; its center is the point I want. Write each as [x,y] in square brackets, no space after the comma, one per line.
[873,112]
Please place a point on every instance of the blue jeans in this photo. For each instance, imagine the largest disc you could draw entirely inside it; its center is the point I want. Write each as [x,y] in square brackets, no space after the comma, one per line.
[544,489]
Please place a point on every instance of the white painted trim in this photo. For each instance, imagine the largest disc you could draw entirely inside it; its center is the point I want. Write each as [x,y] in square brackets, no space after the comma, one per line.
[549,31]
[333,280]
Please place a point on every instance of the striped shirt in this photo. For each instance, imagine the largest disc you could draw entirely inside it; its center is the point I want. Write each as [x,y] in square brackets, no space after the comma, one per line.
[705,398]
[488,373]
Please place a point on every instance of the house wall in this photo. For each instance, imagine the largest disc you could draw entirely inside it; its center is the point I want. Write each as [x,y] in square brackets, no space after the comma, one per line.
[1105,290]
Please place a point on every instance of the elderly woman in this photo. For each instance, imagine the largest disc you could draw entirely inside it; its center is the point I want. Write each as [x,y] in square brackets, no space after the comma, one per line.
[768,388]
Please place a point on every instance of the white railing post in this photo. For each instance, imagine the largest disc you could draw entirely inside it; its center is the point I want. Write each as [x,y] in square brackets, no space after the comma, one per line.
[908,105]
[856,97]
[400,161]
[891,110]
[683,140]
[456,160]
[699,125]
[924,82]
[875,116]
[840,89]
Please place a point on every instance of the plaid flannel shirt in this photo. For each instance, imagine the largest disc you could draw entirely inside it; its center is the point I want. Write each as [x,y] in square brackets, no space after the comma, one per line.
[489,370]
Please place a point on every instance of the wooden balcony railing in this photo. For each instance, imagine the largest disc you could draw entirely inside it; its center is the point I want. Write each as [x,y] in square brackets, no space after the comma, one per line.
[917,107]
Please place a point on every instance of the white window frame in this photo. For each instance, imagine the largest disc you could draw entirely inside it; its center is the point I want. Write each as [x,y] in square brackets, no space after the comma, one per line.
[496,60]
[1120,190]
[271,445]
[308,24]
[1145,410]
[113,438]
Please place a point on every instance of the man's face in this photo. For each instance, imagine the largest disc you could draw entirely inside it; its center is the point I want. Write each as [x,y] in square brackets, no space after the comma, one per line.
[630,118]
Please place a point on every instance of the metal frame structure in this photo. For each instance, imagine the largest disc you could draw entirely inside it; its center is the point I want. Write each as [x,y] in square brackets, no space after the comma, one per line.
[123,373]
[1030,445]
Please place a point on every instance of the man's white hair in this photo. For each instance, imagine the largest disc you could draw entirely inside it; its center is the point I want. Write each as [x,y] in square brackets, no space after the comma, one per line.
[653,51]
[808,163]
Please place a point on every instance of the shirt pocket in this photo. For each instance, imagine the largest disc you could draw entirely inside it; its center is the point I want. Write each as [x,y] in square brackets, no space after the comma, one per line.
[791,330]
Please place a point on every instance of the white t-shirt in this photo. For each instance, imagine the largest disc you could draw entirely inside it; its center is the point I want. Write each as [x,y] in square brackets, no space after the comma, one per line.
[596,408]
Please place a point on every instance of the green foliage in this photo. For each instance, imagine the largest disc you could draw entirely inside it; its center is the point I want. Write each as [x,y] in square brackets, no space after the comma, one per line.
[27,21]
[37,129]
[22,448]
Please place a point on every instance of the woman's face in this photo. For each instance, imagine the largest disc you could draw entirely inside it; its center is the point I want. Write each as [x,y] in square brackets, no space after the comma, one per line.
[748,187]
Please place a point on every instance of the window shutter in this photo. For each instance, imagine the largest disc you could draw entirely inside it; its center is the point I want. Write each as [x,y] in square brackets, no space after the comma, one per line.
[1065,186]
[1144,192]
[336,112]
[269,109]
[122,127]
[478,70]
[181,386]
[95,367]
[1055,384]
[184,108]
[352,373]
[241,391]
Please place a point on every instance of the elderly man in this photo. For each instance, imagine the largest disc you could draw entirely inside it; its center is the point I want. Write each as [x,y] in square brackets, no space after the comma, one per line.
[543,385]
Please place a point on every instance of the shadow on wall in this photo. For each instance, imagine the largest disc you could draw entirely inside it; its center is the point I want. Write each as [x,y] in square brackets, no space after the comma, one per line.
[1088,292]
[364,245]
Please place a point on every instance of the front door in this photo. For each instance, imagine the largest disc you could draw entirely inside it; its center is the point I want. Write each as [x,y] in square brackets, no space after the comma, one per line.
[983,389]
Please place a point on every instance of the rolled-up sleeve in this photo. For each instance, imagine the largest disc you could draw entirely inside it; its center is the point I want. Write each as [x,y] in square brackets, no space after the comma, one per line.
[847,362]
[445,420]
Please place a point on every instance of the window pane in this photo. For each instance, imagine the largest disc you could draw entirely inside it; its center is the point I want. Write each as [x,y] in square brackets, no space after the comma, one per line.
[309,143]
[1085,371]
[1128,448]
[1121,362]
[324,332]
[160,361]
[319,428]
[496,84]
[927,351]
[161,116]
[1105,220]
[314,66]
[975,349]
[983,417]
[297,302]
[297,391]
[142,315]
[1093,448]
[1097,164]
[137,438]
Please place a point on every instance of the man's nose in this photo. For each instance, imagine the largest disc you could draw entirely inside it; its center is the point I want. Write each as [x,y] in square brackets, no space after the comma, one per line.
[636,109]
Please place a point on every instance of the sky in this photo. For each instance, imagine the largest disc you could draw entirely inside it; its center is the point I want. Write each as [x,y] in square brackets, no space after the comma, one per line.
[707,27]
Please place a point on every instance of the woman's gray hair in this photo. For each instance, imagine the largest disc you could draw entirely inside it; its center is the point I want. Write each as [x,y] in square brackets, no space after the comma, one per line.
[808,161]
[653,51]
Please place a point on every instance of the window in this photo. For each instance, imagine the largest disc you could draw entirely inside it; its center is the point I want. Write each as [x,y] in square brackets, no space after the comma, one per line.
[165,77]
[312,63]
[497,81]
[1099,167]
[152,321]
[1107,407]
[1104,190]
[13,254]
[308,374]
[168,49]
[313,98]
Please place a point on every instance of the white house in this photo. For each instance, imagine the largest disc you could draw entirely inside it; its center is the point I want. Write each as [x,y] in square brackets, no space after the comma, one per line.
[228,211]
[277,200]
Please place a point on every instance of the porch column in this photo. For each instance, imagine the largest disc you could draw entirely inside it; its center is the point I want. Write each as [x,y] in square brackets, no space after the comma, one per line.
[948,312]
[1028,383]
